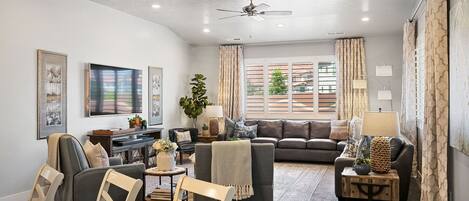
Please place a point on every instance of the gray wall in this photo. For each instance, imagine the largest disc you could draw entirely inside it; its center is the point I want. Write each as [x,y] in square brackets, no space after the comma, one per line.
[380,50]
[86,32]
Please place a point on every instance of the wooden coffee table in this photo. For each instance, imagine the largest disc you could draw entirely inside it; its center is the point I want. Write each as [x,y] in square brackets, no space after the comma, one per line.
[177,171]
[371,187]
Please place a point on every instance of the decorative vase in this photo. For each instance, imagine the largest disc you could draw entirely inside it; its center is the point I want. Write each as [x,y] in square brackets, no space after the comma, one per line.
[362,169]
[165,161]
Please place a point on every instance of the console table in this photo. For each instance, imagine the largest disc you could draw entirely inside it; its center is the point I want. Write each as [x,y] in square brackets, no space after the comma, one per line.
[370,187]
[132,152]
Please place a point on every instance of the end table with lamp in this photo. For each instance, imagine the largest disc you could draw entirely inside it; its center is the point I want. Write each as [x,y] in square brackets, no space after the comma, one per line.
[214,112]
[381,125]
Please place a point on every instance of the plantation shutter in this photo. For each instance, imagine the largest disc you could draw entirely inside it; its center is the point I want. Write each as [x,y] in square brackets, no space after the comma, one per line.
[302,87]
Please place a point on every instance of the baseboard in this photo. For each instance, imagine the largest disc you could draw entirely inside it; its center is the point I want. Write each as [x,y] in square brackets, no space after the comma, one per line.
[21,196]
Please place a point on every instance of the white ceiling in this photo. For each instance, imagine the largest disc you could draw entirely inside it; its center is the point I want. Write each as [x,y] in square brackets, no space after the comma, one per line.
[311,19]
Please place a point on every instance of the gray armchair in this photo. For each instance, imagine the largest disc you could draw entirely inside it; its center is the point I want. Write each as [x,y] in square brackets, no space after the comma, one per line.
[401,161]
[82,183]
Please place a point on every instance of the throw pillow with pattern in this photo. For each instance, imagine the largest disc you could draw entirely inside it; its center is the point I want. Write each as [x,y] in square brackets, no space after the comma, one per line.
[243,131]
[183,137]
[339,130]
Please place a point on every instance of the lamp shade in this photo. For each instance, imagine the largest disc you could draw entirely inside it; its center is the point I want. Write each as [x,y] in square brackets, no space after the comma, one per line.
[384,95]
[214,111]
[359,84]
[384,124]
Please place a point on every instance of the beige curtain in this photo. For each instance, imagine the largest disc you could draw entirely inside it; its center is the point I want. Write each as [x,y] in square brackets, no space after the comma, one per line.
[434,148]
[409,90]
[229,88]
[350,55]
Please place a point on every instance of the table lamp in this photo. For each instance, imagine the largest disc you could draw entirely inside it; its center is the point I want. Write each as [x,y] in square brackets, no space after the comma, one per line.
[380,125]
[214,112]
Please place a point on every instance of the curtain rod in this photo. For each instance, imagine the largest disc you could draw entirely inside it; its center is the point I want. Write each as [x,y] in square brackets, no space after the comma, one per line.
[416,11]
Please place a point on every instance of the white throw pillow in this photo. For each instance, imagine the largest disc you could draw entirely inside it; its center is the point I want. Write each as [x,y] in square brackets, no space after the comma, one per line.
[96,155]
[184,136]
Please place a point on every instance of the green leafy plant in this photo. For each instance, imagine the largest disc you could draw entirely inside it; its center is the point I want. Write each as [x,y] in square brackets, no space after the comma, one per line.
[278,85]
[362,161]
[205,127]
[193,106]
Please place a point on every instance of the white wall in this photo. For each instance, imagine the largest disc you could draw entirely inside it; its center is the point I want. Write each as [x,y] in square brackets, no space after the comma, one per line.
[380,50]
[204,60]
[86,32]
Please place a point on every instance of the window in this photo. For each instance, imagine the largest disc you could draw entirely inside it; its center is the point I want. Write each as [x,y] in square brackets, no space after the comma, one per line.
[293,88]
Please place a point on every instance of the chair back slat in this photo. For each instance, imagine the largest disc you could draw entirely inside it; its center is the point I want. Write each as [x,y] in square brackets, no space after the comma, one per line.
[52,180]
[210,190]
[129,184]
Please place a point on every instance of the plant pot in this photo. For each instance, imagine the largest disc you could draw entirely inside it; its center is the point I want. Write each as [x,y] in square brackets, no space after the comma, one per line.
[165,161]
[361,169]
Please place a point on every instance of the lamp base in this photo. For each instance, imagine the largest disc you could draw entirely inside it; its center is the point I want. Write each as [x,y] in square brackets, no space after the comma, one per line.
[213,124]
[380,155]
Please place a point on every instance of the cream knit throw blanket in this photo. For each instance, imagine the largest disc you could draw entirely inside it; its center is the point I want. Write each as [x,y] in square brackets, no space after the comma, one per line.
[53,157]
[231,166]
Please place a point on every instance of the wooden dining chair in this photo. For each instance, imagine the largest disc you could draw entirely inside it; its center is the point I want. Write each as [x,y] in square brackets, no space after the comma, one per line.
[129,184]
[47,179]
[210,190]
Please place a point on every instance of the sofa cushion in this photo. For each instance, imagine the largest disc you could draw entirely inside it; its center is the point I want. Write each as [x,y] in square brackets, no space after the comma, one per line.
[324,144]
[265,140]
[320,129]
[341,145]
[396,146]
[250,122]
[292,143]
[296,129]
[270,129]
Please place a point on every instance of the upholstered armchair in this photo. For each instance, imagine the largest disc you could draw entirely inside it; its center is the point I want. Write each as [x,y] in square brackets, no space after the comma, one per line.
[81,182]
[184,148]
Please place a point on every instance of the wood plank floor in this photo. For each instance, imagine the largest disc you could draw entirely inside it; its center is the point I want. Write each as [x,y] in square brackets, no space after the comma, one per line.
[292,181]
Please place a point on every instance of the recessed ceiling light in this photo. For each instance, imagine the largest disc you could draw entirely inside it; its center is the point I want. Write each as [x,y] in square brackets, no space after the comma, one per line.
[155,6]
[365,19]
[206,30]
[280,25]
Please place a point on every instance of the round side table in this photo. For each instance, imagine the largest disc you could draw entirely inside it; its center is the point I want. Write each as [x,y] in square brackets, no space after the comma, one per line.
[177,171]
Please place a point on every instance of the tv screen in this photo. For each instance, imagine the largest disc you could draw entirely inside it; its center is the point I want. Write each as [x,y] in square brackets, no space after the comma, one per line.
[114,90]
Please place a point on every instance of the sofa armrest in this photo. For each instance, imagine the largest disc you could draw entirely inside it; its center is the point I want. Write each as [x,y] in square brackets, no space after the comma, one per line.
[87,183]
[339,165]
[113,161]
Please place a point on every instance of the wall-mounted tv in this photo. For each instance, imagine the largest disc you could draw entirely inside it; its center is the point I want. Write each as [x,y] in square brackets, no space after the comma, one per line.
[112,90]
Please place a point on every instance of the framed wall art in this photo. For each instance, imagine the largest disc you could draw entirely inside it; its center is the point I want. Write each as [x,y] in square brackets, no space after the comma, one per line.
[51,93]
[155,96]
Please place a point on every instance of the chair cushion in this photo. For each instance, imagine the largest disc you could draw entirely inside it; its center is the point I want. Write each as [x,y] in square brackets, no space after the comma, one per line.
[320,129]
[292,143]
[187,147]
[324,144]
[265,140]
[295,129]
[341,145]
[270,129]
[339,130]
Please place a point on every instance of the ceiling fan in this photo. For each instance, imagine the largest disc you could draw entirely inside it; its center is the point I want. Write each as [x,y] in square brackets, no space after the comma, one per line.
[255,12]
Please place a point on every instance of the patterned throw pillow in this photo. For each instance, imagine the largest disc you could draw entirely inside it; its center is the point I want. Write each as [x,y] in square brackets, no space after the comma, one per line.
[243,131]
[183,137]
[339,130]
[229,127]
[350,150]
[96,155]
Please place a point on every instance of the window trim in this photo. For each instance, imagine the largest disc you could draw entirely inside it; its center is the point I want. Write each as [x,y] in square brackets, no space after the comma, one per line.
[315,60]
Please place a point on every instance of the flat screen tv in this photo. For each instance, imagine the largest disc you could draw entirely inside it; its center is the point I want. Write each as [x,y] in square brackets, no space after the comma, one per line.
[112,90]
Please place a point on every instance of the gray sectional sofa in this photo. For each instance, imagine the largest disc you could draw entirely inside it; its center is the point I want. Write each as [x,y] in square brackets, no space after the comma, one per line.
[306,141]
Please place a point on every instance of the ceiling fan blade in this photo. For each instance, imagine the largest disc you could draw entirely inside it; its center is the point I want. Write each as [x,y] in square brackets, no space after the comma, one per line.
[257,18]
[262,6]
[276,13]
[231,16]
[231,11]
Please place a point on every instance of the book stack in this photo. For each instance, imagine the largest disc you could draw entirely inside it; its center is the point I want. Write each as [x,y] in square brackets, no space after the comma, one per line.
[159,195]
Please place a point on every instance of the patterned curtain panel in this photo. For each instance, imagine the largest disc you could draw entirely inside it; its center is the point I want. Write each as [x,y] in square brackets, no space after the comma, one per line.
[409,90]
[229,96]
[350,55]
[434,148]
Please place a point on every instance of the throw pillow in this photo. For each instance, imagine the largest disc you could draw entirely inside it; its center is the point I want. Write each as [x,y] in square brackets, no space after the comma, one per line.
[96,155]
[183,137]
[243,131]
[355,128]
[364,146]
[350,150]
[229,127]
[339,130]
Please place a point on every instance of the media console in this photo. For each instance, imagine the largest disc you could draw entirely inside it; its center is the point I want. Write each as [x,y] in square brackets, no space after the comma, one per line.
[135,146]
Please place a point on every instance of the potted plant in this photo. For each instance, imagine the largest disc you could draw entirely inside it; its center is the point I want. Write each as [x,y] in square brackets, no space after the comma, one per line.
[362,166]
[193,106]
[166,153]
[205,130]
[136,121]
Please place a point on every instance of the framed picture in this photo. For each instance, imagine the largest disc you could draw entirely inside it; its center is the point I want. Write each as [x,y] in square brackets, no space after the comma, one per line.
[51,93]
[155,96]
